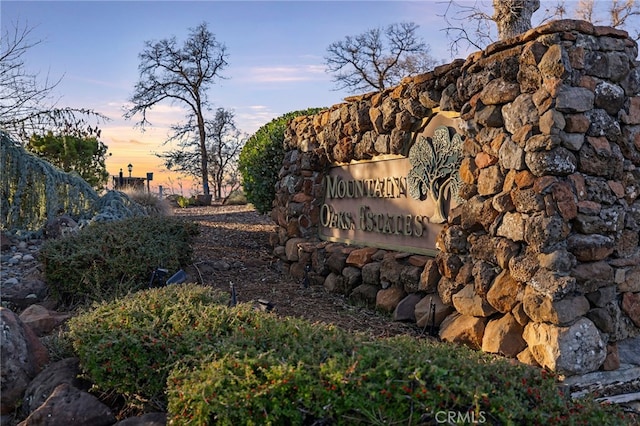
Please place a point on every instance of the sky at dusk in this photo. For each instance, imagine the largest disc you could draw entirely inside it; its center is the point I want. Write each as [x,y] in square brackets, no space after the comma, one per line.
[276,58]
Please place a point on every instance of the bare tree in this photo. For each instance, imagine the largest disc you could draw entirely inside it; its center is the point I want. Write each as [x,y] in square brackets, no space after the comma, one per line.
[378,58]
[223,145]
[181,75]
[27,104]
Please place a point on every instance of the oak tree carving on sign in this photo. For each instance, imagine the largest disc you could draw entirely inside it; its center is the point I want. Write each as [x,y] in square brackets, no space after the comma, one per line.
[435,164]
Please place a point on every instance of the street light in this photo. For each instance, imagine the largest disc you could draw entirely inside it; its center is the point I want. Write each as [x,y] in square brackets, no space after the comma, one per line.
[130,167]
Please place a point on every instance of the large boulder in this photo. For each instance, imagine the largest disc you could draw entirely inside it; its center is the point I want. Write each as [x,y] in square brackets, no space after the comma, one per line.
[22,357]
[68,405]
[42,386]
[571,350]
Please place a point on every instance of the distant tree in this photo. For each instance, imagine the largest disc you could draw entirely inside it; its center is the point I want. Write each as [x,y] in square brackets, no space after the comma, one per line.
[83,155]
[378,58]
[223,144]
[616,13]
[181,75]
[26,101]
[261,159]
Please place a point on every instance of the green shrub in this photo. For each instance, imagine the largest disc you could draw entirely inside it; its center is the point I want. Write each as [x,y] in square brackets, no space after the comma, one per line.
[261,159]
[183,202]
[391,381]
[213,364]
[109,259]
[236,198]
[131,344]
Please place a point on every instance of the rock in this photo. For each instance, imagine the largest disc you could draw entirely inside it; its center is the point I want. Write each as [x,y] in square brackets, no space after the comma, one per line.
[334,283]
[447,288]
[505,292]
[468,302]
[31,288]
[429,277]
[520,112]
[490,181]
[512,226]
[463,329]
[60,226]
[571,350]
[483,275]
[523,267]
[559,261]
[556,162]
[388,299]
[425,315]
[588,248]
[602,319]
[542,308]
[612,361]
[5,242]
[410,278]
[609,97]
[592,275]
[365,294]
[41,320]
[361,257]
[148,419]
[337,261]
[631,281]
[503,336]
[291,248]
[574,99]
[70,406]
[552,285]
[23,356]
[520,315]
[631,306]
[498,91]
[527,358]
[42,386]
[371,273]
[352,278]
[405,310]
[390,271]
[602,297]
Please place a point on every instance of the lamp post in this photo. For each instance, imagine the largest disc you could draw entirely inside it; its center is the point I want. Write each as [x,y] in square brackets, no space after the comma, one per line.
[130,167]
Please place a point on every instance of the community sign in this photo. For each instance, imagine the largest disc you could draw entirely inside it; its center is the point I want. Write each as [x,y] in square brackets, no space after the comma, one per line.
[397,203]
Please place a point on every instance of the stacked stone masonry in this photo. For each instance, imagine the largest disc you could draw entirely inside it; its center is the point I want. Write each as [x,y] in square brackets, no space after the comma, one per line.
[542,259]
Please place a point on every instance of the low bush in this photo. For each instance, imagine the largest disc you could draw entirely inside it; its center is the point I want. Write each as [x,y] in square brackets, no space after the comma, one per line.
[152,204]
[213,364]
[236,198]
[106,260]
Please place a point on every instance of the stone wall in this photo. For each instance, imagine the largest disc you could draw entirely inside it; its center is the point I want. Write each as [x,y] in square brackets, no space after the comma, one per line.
[542,260]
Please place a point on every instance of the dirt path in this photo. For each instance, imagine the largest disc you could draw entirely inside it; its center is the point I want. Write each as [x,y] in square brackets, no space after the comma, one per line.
[233,247]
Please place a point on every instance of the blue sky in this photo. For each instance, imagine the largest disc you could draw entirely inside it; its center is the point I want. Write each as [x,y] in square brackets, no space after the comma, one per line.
[276,52]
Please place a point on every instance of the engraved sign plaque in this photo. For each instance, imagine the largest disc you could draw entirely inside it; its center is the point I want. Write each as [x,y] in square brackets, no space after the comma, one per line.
[397,203]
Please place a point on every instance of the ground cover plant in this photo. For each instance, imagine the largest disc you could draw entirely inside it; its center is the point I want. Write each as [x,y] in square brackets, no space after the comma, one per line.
[182,348]
[106,260]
